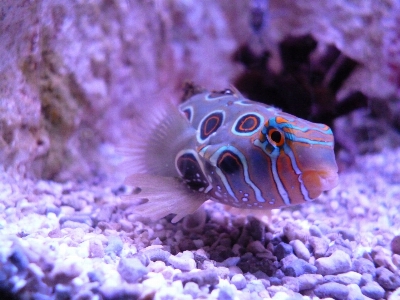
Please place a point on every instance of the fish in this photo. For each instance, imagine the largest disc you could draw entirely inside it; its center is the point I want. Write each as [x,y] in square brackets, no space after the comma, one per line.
[220,146]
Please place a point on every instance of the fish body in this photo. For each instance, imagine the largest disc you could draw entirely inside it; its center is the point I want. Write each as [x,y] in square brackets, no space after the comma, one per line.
[224,147]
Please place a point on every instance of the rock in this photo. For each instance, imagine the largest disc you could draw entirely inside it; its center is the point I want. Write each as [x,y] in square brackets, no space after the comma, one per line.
[387,279]
[192,289]
[300,249]
[111,291]
[131,269]
[293,232]
[103,214]
[200,277]
[315,231]
[75,225]
[365,278]
[114,246]
[63,291]
[229,262]
[382,257]
[292,283]
[345,278]
[309,281]
[55,233]
[338,262]
[373,290]
[333,290]
[255,247]
[298,267]
[395,244]
[96,275]
[282,250]
[226,292]
[354,292]
[19,259]
[239,281]
[96,248]
[363,265]
[255,285]
[66,270]
[395,295]
[157,254]
[320,246]
[182,263]
[347,233]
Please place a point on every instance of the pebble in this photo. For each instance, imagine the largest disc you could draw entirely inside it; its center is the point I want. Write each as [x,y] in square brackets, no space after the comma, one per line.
[373,290]
[192,289]
[387,279]
[354,292]
[282,250]
[78,218]
[202,277]
[292,283]
[75,225]
[255,285]
[255,247]
[103,214]
[300,249]
[96,248]
[120,291]
[315,231]
[155,254]
[131,269]
[333,290]
[338,262]
[363,265]
[229,262]
[293,232]
[19,259]
[226,292]
[395,295]
[66,270]
[309,281]
[96,275]
[182,263]
[395,244]
[114,246]
[239,281]
[346,233]
[345,278]
[365,278]
[320,246]
[298,267]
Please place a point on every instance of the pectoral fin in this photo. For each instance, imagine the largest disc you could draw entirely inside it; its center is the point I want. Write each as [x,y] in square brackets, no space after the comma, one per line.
[165,195]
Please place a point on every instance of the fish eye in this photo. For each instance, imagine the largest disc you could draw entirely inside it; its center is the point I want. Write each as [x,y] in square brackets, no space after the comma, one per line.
[276,137]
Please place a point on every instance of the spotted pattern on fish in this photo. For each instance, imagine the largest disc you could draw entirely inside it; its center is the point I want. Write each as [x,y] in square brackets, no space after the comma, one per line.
[251,155]
[238,152]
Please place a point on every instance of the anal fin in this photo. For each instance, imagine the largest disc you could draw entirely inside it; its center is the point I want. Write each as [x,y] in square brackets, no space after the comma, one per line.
[166,195]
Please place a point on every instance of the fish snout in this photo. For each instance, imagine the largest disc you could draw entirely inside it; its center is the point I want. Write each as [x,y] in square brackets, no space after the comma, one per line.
[318,181]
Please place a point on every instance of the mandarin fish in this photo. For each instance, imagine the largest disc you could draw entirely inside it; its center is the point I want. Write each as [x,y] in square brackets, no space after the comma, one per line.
[223,147]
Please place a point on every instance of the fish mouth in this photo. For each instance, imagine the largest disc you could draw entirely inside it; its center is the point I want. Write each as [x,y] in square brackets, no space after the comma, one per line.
[318,181]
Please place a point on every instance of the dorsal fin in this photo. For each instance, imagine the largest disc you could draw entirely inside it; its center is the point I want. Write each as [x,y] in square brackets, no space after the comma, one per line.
[156,139]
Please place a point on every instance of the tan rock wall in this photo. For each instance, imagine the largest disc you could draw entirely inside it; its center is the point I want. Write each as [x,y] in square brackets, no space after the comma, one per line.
[73,72]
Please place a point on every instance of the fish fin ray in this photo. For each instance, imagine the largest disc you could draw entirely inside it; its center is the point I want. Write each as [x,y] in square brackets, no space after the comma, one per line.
[156,140]
[166,195]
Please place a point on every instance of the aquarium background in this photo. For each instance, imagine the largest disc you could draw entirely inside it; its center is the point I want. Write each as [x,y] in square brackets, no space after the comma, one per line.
[73,76]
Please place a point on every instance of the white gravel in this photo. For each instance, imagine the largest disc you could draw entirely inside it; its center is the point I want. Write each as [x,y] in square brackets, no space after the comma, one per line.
[81,241]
